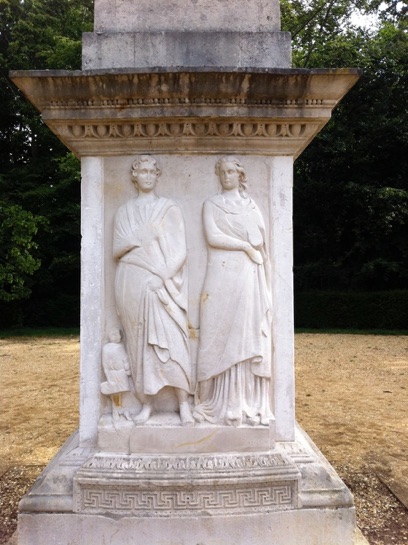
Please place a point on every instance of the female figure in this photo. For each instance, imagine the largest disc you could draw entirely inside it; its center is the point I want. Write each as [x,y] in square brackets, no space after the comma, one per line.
[150,291]
[234,360]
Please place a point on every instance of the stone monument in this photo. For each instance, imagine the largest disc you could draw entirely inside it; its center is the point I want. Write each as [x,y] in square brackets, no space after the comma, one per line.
[187,118]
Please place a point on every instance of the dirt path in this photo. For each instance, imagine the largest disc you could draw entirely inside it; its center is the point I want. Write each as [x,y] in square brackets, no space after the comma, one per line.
[39,398]
[351,399]
[352,395]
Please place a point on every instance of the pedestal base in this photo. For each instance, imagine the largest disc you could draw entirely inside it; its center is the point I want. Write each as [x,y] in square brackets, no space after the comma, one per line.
[301,527]
[172,438]
[288,495]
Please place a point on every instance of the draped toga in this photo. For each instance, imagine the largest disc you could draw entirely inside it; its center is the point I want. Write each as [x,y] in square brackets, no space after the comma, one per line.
[235,315]
[149,244]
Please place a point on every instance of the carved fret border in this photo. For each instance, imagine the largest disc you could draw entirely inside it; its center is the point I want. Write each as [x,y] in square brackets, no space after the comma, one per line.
[166,502]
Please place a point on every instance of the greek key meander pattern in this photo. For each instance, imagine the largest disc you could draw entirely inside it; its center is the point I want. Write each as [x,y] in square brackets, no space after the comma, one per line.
[189,129]
[186,463]
[184,502]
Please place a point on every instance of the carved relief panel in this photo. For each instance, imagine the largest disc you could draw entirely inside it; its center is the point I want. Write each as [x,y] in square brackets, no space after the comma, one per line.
[188,280]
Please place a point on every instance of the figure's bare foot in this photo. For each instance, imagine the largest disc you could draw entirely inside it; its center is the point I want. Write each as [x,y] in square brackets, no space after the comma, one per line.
[233,419]
[185,414]
[127,415]
[253,420]
[144,414]
[198,417]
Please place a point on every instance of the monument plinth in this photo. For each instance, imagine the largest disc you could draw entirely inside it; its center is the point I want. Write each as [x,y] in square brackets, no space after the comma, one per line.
[187,123]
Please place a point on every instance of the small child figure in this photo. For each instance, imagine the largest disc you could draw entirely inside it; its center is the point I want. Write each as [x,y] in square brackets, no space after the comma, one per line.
[116,368]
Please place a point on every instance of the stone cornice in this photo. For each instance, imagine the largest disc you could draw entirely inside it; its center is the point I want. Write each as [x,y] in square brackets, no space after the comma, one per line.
[194,134]
[272,112]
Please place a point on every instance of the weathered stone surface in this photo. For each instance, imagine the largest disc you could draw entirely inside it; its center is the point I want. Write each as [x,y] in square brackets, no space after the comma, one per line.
[53,490]
[305,527]
[181,486]
[176,439]
[188,49]
[116,112]
[186,33]
[184,15]
[206,495]
[358,539]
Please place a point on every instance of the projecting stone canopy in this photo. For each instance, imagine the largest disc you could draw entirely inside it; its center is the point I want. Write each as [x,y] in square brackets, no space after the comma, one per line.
[111,112]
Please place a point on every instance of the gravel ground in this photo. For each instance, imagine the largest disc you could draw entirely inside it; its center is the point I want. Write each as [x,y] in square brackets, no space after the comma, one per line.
[351,399]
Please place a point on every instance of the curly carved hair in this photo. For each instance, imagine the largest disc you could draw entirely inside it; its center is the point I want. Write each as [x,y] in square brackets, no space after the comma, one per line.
[238,165]
[140,161]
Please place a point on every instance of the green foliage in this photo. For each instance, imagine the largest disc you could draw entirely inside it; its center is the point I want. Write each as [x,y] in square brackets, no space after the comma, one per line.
[17,230]
[55,293]
[323,33]
[387,310]
[37,175]
[314,25]
[351,183]
[38,34]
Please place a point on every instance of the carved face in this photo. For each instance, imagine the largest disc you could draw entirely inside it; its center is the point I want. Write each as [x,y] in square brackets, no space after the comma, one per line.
[229,176]
[146,176]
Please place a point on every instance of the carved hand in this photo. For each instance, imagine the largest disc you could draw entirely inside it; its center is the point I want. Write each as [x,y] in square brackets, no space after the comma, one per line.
[255,255]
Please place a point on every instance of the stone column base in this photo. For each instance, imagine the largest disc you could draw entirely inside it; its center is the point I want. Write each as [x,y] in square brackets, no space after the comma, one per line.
[288,495]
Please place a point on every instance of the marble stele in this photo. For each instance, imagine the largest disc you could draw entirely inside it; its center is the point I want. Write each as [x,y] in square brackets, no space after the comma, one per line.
[187,121]
[205,270]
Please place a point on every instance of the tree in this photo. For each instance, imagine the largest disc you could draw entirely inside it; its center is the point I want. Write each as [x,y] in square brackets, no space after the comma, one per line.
[17,248]
[351,192]
[37,174]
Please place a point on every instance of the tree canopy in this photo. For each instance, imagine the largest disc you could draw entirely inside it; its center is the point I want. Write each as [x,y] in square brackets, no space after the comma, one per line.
[39,180]
[351,183]
[350,196]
